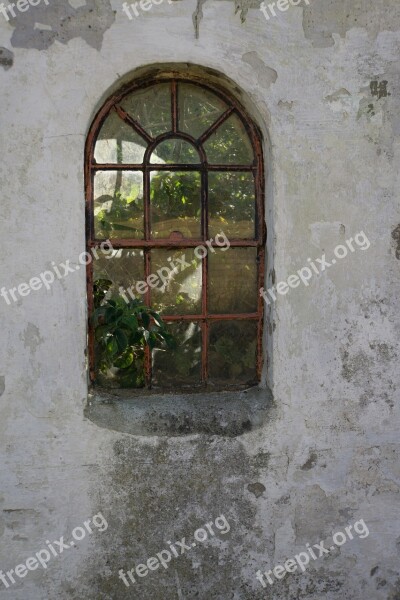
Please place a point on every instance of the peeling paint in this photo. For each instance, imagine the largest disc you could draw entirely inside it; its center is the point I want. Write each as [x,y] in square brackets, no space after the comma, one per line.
[197,16]
[257,489]
[311,462]
[241,6]
[337,95]
[42,25]
[265,75]
[285,104]
[6,58]
[323,19]
[31,337]
[396,238]
[379,89]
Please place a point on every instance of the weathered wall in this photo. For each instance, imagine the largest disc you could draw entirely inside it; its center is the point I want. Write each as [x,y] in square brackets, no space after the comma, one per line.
[328,453]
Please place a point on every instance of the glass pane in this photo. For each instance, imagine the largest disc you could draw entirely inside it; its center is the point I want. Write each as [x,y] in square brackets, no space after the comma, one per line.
[175,204]
[198,109]
[229,144]
[233,352]
[231,201]
[124,268]
[151,108]
[118,204]
[118,143]
[179,290]
[131,376]
[175,151]
[232,281]
[180,367]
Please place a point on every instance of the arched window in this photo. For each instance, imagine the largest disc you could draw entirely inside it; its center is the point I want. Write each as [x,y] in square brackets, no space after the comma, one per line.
[174,179]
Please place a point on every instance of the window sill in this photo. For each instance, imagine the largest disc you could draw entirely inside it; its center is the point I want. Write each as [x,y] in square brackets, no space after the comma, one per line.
[227,414]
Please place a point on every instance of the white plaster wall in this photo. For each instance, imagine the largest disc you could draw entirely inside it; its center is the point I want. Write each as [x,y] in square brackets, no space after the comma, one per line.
[332,172]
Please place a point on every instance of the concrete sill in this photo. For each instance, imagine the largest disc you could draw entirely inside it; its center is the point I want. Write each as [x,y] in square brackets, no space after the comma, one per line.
[228,414]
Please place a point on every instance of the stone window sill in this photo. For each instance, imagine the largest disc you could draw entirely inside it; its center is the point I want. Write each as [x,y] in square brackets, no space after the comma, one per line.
[227,414]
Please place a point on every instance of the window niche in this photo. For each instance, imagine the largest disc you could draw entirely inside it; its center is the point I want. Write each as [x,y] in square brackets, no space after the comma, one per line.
[174,180]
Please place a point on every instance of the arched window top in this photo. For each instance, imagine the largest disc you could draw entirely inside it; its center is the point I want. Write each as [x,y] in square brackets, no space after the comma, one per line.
[173,167]
[198,116]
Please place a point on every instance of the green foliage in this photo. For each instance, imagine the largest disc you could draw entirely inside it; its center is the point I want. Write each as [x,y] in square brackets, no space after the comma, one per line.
[122,331]
[176,194]
[124,216]
[230,144]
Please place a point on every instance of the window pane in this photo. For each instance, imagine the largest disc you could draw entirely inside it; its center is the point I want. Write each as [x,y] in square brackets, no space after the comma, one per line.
[175,204]
[118,143]
[123,267]
[231,200]
[175,151]
[232,284]
[233,352]
[179,292]
[180,367]
[151,108]
[198,109]
[118,204]
[132,376]
[229,144]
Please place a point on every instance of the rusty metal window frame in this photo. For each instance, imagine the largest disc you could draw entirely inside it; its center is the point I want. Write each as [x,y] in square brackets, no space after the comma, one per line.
[146,244]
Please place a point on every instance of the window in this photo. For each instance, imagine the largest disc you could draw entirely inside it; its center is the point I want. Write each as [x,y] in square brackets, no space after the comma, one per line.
[174,177]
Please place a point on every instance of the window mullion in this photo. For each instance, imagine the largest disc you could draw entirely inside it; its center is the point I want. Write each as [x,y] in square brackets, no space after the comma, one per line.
[204,231]
[147,351]
[146,198]
[174,106]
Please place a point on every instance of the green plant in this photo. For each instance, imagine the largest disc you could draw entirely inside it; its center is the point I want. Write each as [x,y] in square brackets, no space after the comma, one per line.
[122,331]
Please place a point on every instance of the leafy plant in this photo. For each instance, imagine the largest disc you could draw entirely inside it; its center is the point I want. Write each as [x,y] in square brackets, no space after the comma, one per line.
[122,331]
[176,194]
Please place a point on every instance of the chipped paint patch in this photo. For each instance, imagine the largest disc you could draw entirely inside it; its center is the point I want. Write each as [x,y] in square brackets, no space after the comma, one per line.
[77,3]
[321,20]
[286,104]
[6,58]
[311,462]
[340,102]
[265,75]
[396,238]
[257,489]
[63,22]
[42,26]
[31,337]
[241,6]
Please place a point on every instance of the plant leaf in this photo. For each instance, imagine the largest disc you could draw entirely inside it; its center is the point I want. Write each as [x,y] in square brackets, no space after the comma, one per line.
[122,339]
